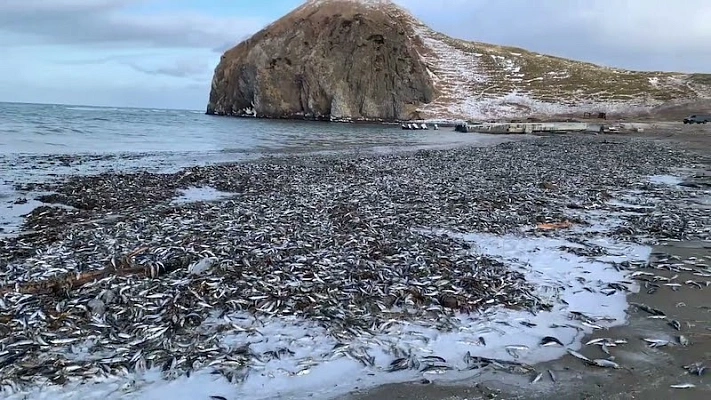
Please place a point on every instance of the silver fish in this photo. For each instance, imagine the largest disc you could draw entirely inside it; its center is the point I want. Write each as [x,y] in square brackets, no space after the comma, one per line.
[537,378]
[552,375]
[683,386]
[550,341]
[656,342]
[604,363]
[577,355]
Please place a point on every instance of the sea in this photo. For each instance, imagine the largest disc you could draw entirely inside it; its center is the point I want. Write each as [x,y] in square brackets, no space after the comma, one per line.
[43,129]
[42,141]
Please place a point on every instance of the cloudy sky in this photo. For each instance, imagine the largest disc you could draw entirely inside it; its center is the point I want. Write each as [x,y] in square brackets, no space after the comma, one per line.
[161,53]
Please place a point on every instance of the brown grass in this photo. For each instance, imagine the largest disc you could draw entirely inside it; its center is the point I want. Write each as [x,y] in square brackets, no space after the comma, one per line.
[583,80]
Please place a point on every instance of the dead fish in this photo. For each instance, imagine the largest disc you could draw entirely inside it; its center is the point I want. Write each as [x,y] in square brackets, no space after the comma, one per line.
[604,348]
[648,309]
[599,341]
[578,355]
[537,378]
[513,353]
[683,386]
[697,368]
[552,375]
[399,364]
[694,283]
[591,325]
[656,342]
[550,341]
[675,324]
[599,362]
[430,359]
[436,369]
[683,340]
[515,348]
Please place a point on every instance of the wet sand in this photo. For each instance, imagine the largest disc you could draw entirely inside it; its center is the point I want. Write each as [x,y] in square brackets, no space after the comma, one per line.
[646,373]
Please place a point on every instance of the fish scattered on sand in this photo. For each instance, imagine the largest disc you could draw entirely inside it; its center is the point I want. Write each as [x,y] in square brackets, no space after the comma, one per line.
[683,386]
[148,284]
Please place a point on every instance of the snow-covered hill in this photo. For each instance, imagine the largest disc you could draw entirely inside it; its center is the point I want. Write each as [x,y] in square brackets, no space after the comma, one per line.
[372,59]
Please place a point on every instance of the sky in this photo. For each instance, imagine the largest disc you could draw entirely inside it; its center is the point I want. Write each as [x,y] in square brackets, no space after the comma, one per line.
[162,53]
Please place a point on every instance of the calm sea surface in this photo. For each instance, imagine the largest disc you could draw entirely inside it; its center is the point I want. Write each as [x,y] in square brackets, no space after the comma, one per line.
[35,140]
[65,129]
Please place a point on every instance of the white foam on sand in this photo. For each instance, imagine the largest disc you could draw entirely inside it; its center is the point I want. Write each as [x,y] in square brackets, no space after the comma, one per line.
[204,193]
[567,281]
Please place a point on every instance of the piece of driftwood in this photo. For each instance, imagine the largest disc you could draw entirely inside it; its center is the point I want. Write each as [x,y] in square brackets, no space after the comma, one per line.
[554,226]
[122,266]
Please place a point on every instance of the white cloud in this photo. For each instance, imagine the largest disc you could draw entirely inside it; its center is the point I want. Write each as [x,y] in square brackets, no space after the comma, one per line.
[102,22]
[645,34]
[180,68]
[162,52]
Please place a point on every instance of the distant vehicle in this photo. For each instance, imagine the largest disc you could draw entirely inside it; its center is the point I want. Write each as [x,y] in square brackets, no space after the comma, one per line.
[697,119]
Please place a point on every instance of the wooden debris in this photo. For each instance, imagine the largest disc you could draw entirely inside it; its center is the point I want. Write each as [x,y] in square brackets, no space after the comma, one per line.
[121,266]
[554,226]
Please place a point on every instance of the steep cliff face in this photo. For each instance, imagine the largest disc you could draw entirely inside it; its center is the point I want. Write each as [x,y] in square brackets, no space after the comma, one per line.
[372,60]
[327,60]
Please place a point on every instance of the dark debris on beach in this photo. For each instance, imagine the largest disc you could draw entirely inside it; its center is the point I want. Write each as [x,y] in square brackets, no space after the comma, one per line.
[348,241]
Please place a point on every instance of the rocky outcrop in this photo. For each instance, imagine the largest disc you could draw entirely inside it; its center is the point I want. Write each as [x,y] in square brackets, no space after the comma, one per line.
[372,60]
[334,59]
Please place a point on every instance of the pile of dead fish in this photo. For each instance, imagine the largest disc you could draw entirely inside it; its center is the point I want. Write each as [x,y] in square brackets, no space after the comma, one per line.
[336,240]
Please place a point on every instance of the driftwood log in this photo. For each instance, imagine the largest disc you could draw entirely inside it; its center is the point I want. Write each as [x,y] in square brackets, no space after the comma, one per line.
[122,266]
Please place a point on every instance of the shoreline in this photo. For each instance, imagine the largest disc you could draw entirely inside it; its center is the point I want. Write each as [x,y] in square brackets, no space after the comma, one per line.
[452,122]
[128,197]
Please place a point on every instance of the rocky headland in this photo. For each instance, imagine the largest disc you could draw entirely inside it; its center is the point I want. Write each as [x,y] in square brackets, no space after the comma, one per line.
[373,60]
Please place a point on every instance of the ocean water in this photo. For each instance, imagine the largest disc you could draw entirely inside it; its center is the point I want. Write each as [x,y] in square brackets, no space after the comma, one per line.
[43,141]
[65,129]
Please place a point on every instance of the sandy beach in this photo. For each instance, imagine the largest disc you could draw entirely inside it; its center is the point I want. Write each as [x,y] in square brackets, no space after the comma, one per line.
[648,372]
[472,272]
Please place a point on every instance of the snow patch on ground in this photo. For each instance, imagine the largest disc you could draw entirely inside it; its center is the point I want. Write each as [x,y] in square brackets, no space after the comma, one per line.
[196,194]
[466,88]
[454,71]
[665,180]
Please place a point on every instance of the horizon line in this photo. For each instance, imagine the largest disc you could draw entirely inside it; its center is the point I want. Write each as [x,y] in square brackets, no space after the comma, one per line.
[95,106]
